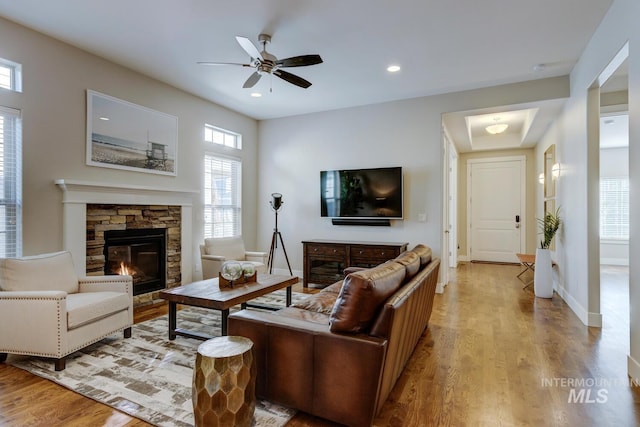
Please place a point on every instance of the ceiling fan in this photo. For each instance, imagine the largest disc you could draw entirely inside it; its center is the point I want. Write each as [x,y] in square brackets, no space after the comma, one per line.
[266,63]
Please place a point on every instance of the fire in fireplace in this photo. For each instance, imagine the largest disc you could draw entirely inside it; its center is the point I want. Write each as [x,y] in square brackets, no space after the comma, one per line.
[140,253]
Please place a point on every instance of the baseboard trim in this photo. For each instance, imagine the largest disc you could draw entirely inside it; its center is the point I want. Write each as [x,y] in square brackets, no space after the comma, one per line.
[285,272]
[463,258]
[614,261]
[589,319]
[440,288]
[633,369]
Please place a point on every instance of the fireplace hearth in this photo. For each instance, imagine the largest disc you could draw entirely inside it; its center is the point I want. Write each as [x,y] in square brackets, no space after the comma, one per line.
[140,253]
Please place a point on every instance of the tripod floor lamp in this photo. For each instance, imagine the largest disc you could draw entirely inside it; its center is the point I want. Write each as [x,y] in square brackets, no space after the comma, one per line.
[276,205]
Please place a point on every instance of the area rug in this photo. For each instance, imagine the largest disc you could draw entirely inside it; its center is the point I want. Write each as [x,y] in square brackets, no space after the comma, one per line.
[147,376]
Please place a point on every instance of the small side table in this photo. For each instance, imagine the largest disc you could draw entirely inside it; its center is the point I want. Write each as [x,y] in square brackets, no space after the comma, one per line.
[528,261]
[224,382]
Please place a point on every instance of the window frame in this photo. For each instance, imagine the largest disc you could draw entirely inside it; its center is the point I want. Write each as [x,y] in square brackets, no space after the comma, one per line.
[209,227]
[15,75]
[11,180]
[226,134]
[619,236]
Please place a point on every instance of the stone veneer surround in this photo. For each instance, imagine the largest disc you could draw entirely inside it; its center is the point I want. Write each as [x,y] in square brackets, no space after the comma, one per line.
[78,194]
[101,217]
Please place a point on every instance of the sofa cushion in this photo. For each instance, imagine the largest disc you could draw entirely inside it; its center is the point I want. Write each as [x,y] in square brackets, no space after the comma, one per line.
[299,314]
[361,295]
[334,288]
[322,302]
[87,307]
[47,272]
[424,252]
[410,261]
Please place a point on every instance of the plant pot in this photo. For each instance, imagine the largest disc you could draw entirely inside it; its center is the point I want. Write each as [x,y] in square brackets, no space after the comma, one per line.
[543,275]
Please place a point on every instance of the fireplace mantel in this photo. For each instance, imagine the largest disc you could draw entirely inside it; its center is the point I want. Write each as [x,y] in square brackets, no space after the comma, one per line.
[99,192]
[77,194]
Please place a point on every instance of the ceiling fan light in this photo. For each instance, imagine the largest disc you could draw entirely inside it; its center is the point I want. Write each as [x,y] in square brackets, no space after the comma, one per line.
[497,128]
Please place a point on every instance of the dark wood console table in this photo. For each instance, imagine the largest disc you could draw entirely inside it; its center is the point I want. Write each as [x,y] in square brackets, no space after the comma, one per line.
[324,260]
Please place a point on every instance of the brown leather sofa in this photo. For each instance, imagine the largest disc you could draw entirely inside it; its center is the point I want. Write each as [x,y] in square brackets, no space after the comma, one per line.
[338,353]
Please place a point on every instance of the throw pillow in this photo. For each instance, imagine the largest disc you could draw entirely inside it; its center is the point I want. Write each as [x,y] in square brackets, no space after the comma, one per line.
[411,262]
[362,294]
[424,252]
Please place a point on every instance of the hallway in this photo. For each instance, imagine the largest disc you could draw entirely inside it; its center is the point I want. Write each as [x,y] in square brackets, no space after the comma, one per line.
[496,355]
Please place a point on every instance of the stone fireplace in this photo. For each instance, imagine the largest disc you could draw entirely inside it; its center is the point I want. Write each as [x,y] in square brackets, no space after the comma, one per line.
[93,212]
[140,240]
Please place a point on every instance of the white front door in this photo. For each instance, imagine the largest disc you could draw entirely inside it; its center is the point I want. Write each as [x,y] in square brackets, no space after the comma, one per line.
[496,206]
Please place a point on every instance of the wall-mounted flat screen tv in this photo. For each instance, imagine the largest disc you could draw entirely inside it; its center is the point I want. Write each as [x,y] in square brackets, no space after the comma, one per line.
[361,193]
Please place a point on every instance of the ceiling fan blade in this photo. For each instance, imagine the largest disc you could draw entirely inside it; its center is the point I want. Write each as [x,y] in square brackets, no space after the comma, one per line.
[252,80]
[249,47]
[292,78]
[299,61]
[222,63]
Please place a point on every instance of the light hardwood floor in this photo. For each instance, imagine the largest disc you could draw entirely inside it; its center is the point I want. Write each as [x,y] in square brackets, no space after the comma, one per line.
[482,362]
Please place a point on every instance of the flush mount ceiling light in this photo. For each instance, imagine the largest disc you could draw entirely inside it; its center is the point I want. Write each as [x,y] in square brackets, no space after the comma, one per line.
[106,119]
[393,68]
[539,67]
[497,127]
[256,94]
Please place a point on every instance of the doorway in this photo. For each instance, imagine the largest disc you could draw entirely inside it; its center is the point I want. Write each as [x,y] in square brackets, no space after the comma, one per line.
[613,195]
[496,203]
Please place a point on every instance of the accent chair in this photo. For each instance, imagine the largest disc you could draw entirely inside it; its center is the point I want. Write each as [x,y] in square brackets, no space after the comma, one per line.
[46,310]
[216,251]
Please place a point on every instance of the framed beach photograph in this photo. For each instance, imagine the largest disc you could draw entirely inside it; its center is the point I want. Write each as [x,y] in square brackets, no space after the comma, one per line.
[127,136]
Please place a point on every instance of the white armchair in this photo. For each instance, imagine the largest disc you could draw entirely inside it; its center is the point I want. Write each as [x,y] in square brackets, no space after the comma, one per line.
[46,310]
[216,251]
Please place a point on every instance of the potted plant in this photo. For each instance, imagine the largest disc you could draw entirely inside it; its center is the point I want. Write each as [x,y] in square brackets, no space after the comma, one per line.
[543,275]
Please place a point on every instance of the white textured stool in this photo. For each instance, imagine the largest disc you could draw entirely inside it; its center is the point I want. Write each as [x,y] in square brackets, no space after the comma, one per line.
[224,382]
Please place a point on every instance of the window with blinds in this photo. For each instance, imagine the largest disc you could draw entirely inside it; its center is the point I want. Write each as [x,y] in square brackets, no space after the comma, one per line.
[10,183]
[614,208]
[222,196]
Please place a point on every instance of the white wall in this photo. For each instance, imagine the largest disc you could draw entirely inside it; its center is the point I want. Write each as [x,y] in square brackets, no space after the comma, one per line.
[405,133]
[53,104]
[294,151]
[578,248]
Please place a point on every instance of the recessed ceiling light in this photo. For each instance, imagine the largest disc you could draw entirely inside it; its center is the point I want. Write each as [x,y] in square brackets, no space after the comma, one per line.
[539,67]
[106,119]
[256,94]
[393,68]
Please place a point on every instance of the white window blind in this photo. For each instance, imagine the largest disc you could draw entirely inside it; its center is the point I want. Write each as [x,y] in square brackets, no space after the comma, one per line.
[10,183]
[222,137]
[222,196]
[614,208]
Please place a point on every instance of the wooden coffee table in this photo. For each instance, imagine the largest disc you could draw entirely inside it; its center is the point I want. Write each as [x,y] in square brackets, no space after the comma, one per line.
[207,294]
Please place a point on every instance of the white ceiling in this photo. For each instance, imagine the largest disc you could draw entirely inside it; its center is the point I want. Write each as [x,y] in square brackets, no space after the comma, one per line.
[442,46]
